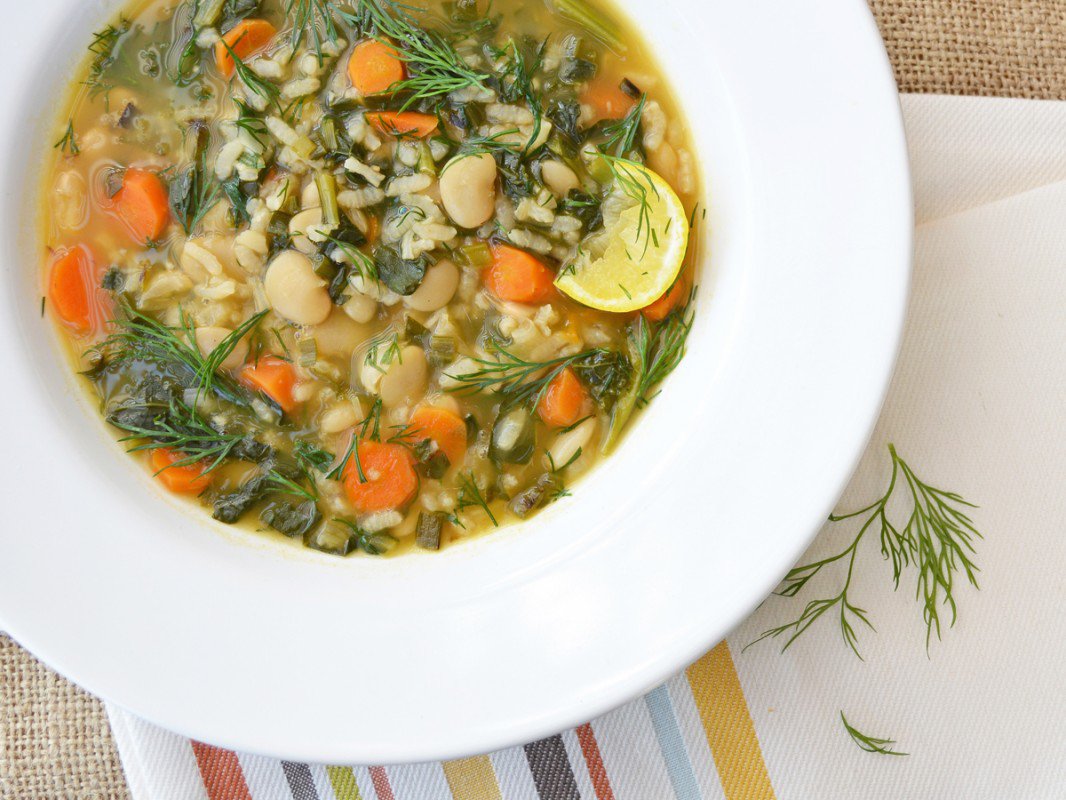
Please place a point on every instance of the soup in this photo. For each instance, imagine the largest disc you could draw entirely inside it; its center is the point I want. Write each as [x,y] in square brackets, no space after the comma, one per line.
[368,275]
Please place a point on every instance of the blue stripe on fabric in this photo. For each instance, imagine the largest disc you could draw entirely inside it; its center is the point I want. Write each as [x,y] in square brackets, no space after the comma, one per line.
[678,765]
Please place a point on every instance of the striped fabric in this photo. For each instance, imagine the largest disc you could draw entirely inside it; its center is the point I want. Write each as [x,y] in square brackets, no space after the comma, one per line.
[690,739]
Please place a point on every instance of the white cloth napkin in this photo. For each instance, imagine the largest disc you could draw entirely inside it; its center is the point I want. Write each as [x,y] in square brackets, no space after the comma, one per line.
[977,407]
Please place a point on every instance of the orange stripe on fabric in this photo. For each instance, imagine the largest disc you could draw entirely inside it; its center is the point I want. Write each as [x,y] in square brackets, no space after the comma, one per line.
[381,783]
[597,772]
[342,779]
[472,778]
[221,773]
[728,726]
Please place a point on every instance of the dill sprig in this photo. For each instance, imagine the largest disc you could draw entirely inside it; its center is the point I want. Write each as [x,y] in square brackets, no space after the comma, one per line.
[139,337]
[312,22]
[434,66]
[470,496]
[69,142]
[479,145]
[635,182]
[179,426]
[104,48]
[274,481]
[359,261]
[516,378]
[517,79]
[871,744]
[622,135]
[194,191]
[660,348]
[369,428]
[937,540]
[259,86]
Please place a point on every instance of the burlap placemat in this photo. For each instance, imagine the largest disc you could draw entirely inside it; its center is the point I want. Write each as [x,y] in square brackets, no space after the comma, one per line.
[54,739]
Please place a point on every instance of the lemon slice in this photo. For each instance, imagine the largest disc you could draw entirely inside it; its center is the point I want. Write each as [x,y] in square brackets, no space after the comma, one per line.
[634,258]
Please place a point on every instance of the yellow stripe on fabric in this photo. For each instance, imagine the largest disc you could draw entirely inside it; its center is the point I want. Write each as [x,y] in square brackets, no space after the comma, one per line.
[342,779]
[728,726]
[472,779]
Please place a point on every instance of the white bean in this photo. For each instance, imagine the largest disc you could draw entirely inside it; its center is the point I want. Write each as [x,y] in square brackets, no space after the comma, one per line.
[71,199]
[298,229]
[559,177]
[437,287]
[468,189]
[339,335]
[338,418]
[361,307]
[567,444]
[405,377]
[210,336]
[309,196]
[294,290]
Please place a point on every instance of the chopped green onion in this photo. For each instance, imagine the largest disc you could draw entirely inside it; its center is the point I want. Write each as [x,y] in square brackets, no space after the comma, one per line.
[303,147]
[308,352]
[208,14]
[442,350]
[476,255]
[428,531]
[327,193]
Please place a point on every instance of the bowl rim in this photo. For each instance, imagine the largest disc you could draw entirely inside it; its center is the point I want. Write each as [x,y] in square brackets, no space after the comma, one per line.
[857,108]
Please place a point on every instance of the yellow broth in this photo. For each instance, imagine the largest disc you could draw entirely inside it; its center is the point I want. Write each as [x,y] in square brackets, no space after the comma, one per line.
[151,101]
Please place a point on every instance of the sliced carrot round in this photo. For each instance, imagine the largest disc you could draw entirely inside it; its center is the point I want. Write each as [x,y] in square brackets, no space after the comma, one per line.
[606,100]
[246,38]
[143,205]
[374,66]
[274,377]
[674,296]
[517,276]
[403,123]
[563,401]
[445,428]
[391,481]
[72,289]
[183,479]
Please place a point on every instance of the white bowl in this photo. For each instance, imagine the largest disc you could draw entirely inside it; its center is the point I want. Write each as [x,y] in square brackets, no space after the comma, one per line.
[510,638]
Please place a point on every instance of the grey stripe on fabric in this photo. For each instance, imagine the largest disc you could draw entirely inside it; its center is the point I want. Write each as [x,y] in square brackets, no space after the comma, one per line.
[300,781]
[551,769]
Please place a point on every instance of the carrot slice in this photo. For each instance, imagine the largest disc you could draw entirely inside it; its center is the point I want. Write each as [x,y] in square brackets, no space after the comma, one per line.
[143,205]
[446,428]
[246,38]
[403,123]
[391,481]
[184,479]
[72,289]
[674,296]
[517,276]
[274,377]
[606,100]
[564,400]
[374,66]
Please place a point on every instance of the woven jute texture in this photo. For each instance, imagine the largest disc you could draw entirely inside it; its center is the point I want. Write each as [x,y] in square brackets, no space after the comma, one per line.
[54,739]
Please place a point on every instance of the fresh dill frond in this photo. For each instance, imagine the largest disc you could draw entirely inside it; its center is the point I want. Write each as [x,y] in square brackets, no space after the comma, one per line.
[660,348]
[178,426]
[276,482]
[470,496]
[141,338]
[104,47]
[368,428]
[937,540]
[871,744]
[516,79]
[434,67]
[635,182]
[69,142]
[479,145]
[359,261]
[312,22]
[622,135]
[311,457]
[259,86]
[194,191]
[248,120]
[516,378]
